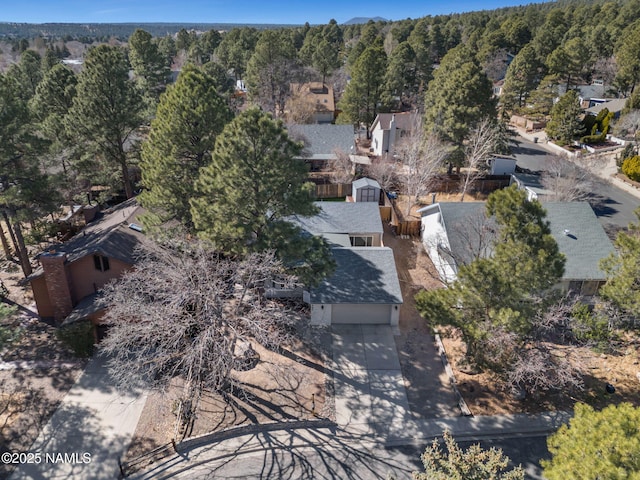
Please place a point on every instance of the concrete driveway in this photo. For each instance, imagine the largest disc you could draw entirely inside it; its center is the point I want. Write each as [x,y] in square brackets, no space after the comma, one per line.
[370,396]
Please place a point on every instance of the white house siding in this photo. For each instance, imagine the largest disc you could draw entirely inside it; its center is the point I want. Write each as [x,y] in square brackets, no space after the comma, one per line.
[434,238]
[379,139]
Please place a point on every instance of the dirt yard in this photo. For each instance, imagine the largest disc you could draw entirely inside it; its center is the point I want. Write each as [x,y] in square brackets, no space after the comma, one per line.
[284,386]
[481,391]
[402,200]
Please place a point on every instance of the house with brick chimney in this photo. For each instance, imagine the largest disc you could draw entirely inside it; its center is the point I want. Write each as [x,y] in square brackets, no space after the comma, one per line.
[66,285]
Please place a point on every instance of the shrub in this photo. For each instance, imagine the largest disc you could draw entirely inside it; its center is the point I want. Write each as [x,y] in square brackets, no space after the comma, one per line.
[631,168]
[78,337]
[589,327]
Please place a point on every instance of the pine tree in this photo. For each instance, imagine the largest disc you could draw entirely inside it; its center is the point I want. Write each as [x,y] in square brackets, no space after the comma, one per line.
[255,181]
[596,444]
[565,124]
[362,97]
[107,109]
[190,116]
[149,65]
[458,97]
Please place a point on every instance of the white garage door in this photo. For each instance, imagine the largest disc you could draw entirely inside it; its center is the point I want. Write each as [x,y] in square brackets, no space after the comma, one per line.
[360,314]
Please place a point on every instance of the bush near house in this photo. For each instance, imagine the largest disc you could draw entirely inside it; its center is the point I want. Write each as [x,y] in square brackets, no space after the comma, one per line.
[600,123]
[631,168]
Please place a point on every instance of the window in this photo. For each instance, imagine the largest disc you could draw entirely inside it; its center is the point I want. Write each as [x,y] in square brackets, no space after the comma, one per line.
[101,263]
[361,241]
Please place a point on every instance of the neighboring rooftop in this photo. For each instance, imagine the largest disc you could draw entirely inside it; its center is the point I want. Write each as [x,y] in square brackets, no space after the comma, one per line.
[322,141]
[614,106]
[404,120]
[584,244]
[318,94]
[342,217]
[109,234]
[362,275]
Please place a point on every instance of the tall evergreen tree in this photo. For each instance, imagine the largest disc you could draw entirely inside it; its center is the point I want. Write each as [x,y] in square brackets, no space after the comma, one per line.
[565,123]
[522,77]
[271,69]
[623,271]
[362,98]
[236,48]
[149,65]
[252,184]
[190,115]
[107,109]
[459,95]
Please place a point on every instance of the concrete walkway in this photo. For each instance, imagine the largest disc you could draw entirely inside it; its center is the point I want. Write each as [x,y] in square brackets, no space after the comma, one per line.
[88,432]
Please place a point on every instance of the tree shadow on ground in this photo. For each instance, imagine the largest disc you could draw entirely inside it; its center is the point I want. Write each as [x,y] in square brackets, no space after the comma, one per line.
[289,453]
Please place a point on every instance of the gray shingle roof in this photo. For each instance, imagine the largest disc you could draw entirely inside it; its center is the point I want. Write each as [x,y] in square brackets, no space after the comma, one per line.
[362,275]
[321,141]
[614,106]
[365,182]
[586,242]
[584,247]
[342,217]
[107,235]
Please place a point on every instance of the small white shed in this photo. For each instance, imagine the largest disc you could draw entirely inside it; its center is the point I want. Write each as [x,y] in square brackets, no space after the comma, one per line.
[365,190]
[502,165]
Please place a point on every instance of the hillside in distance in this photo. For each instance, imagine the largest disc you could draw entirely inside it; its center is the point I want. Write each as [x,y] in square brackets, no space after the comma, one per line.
[119,30]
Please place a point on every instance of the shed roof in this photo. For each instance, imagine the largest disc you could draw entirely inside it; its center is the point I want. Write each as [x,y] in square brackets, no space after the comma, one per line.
[362,275]
[322,141]
[365,182]
[341,217]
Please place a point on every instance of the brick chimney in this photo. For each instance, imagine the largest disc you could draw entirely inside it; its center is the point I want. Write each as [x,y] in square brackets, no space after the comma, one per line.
[55,274]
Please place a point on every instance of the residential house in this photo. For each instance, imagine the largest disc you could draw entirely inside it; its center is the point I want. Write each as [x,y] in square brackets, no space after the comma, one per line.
[589,95]
[387,129]
[364,288]
[456,233]
[323,143]
[66,285]
[317,98]
[616,106]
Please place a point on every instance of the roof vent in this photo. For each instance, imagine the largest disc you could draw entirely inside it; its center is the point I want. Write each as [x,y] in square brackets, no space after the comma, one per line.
[135,226]
[567,232]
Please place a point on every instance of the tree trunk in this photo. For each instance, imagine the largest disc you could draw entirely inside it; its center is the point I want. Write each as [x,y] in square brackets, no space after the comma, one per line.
[21,248]
[126,178]
[10,229]
[5,244]
[23,254]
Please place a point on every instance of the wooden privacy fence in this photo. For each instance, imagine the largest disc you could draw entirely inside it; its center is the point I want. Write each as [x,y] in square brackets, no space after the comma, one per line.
[333,190]
[487,184]
[401,227]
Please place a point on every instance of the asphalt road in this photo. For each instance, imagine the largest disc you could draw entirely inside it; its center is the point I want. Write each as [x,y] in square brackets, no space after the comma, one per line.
[352,462]
[614,207]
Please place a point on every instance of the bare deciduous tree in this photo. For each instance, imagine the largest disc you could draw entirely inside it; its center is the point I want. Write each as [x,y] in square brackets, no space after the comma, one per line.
[383,170]
[479,147]
[566,181]
[187,313]
[422,156]
[341,167]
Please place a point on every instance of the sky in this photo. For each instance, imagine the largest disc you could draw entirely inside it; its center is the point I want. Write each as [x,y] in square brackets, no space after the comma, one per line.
[232,11]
